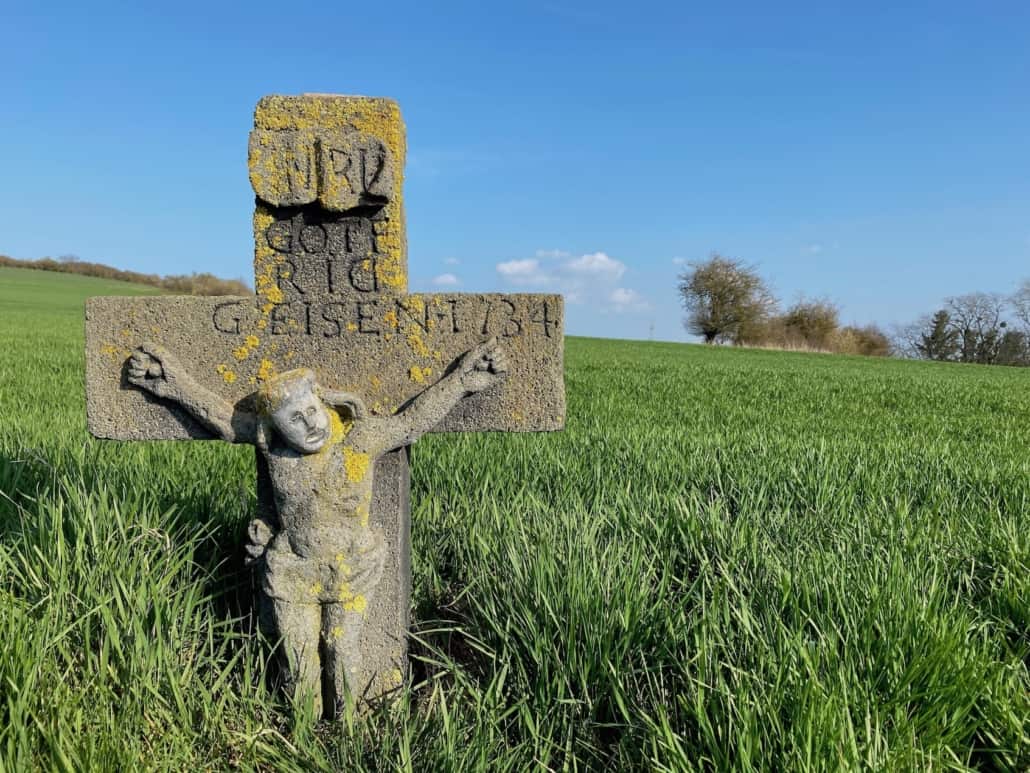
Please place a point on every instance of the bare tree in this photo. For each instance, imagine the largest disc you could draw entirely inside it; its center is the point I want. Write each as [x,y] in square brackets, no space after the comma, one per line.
[1020,303]
[905,337]
[978,319]
[724,297]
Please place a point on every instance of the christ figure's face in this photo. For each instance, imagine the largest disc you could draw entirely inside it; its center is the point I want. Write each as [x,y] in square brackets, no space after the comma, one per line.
[302,421]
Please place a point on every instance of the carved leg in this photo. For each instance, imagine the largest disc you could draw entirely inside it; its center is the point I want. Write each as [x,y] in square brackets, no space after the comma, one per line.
[298,626]
[341,632]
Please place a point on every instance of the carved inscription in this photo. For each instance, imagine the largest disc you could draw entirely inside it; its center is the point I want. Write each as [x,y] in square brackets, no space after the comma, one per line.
[320,256]
[356,171]
[228,316]
[424,315]
[343,170]
[283,167]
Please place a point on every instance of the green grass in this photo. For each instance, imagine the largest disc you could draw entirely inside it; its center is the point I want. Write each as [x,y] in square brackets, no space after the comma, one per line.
[730,560]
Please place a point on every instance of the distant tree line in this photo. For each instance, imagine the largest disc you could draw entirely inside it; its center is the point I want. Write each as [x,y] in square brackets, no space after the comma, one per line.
[182,284]
[727,301]
[984,328]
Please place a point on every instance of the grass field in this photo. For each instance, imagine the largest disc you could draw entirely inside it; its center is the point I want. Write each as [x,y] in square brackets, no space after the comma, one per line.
[730,560]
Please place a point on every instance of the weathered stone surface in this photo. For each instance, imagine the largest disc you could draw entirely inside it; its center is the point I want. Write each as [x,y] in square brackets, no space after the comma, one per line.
[331,371]
[343,170]
[283,166]
[358,144]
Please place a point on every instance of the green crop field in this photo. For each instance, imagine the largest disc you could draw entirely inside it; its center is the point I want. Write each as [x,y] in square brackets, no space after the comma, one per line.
[730,560]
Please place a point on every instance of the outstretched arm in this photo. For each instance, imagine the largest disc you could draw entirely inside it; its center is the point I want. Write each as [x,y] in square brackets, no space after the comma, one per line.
[479,368]
[156,370]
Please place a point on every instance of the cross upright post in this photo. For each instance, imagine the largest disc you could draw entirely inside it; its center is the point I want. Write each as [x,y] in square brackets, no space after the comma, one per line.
[331,371]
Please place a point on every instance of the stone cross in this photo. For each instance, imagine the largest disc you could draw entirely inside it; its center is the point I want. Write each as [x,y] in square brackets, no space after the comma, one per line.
[331,371]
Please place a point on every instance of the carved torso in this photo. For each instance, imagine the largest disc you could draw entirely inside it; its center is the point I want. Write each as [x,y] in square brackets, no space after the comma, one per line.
[326,545]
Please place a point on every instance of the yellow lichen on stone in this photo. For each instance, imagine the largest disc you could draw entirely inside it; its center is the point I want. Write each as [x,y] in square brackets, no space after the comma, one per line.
[253,341]
[265,261]
[115,352]
[371,117]
[240,353]
[362,513]
[356,464]
[228,376]
[356,604]
[338,430]
[391,268]
[418,346]
[345,593]
[272,172]
[266,370]
[390,318]
[419,375]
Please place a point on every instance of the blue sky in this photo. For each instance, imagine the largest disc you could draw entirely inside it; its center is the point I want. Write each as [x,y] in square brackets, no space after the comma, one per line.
[875,153]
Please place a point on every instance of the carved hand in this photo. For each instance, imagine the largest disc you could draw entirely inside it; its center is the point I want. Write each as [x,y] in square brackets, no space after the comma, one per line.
[259,534]
[155,369]
[483,366]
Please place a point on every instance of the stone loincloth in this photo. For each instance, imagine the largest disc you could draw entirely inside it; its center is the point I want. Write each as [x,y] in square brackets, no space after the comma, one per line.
[347,579]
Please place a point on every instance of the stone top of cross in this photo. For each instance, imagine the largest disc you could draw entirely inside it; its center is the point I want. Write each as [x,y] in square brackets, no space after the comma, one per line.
[328,171]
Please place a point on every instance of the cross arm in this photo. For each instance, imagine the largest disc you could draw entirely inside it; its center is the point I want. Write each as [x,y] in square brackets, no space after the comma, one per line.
[388,350]
[476,370]
[156,370]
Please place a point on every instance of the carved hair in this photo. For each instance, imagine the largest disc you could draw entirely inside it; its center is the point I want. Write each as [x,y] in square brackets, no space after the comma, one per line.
[278,388]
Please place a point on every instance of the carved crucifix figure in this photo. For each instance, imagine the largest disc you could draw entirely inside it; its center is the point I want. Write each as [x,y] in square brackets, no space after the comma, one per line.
[325,563]
[331,371]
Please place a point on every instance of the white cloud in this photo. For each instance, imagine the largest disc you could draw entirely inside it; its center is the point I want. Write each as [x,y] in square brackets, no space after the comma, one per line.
[523,272]
[592,278]
[451,261]
[599,265]
[814,249]
[519,267]
[624,299]
[679,261]
[446,280]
